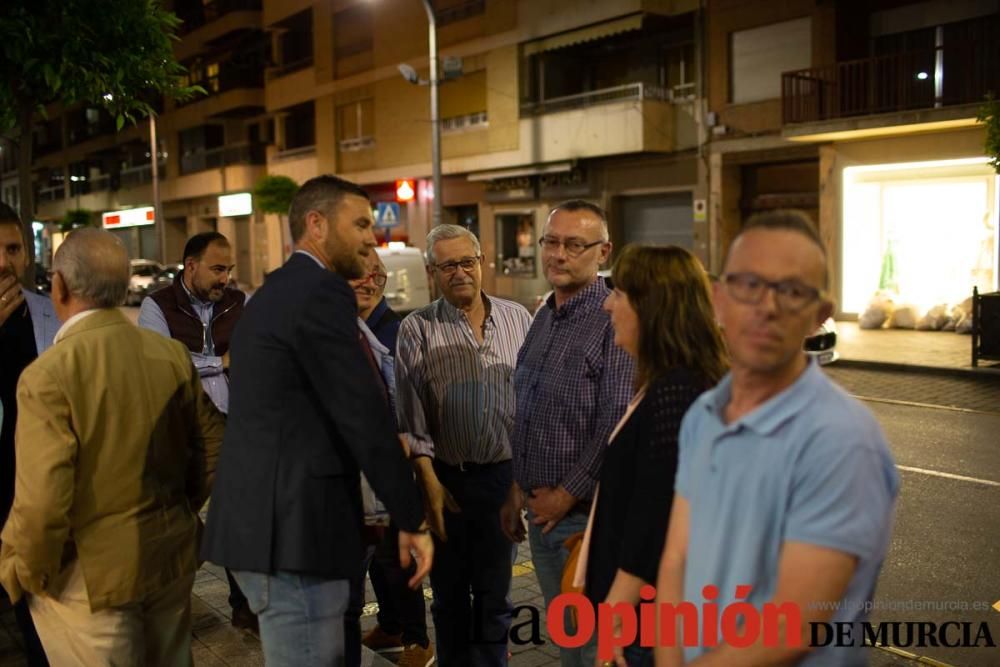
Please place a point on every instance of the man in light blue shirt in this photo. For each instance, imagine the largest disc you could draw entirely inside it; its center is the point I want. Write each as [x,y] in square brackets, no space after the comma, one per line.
[785,488]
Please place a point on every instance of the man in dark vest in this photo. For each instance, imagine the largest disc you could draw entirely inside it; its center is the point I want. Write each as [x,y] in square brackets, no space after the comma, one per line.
[200,310]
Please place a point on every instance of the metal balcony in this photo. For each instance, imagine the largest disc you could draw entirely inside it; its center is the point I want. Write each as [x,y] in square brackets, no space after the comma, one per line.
[927,79]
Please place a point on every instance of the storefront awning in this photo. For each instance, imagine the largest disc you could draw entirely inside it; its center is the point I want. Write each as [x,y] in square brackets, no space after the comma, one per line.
[588,34]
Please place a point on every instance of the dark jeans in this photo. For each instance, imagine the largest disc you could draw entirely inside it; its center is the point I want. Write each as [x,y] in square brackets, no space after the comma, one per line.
[236,597]
[33,650]
[471,576]
[400,609]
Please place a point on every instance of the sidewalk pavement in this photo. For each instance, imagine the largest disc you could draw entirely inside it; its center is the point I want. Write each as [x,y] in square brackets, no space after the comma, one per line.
[885,348]
[218,644]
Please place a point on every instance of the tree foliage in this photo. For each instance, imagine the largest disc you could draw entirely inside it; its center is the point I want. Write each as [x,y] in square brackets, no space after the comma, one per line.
[114,53]
[989,115]
[117,54]
[273,194]
[77,217]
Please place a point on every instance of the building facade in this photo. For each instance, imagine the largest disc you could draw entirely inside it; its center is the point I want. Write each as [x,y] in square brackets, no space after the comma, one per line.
[542,101]
[862,114]
[682,118]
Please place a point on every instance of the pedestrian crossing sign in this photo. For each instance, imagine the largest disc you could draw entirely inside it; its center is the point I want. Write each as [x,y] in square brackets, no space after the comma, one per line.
[387,214]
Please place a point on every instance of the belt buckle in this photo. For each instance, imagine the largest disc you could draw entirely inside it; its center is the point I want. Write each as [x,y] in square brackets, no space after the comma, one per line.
[461,466]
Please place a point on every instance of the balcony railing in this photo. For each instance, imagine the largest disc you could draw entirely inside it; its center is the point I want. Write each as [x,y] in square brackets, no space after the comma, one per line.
[51,193]
[287,68]
[225,156]
[131,177]
[472,121]
[211,10]
[925,79]
[356,144]
[230,77]
[623,93]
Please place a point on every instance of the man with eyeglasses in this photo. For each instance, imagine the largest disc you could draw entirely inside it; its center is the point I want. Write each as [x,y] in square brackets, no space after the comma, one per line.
[373,309]
[572,385]
[455,402]
[201,310]
[402,623]
[785,484]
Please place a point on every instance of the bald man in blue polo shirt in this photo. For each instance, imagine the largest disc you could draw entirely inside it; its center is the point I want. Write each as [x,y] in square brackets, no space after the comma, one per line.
[785,484]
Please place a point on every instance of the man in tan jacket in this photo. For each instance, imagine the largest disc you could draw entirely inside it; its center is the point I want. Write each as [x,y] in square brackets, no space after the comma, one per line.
[116,446]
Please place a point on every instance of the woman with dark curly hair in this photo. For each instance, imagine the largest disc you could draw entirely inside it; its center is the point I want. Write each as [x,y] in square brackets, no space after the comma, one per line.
[662,315]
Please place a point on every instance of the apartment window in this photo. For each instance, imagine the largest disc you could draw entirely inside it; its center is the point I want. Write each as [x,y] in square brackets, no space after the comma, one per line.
[212,77]
[356,125]
[88,122]
[300,126]
[295,42]
[12,197]
[8,156]
[464,97]
[353,40]
[452,11]
[678,71]
[517,244]
[50,185]
[619,59]
[48,136]
[197,144]
[757,57]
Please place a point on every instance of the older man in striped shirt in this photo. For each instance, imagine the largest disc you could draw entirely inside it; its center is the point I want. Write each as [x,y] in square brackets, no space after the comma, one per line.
[455,400]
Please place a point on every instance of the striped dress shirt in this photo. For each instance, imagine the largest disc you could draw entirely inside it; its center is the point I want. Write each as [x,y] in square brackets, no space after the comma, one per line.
[454,396]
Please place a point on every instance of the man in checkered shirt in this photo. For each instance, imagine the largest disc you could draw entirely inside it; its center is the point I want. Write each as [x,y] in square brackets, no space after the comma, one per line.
[572,386]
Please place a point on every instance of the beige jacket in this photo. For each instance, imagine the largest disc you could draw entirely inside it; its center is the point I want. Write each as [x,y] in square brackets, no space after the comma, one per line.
[116,447]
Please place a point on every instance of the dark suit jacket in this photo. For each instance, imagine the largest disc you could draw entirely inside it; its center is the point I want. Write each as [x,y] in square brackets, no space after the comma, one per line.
[384,323]
[304,414]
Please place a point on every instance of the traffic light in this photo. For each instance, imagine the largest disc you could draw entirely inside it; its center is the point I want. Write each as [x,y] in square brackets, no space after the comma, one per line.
[405,190]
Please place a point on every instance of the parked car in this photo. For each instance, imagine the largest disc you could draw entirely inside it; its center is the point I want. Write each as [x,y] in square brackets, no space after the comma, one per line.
[43,281]
[822,345]
[165,277]
[406,287]
[144,271]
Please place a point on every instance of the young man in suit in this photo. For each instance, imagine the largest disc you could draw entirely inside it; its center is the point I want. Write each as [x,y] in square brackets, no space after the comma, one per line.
[27,325]
[116,449]
[306,414]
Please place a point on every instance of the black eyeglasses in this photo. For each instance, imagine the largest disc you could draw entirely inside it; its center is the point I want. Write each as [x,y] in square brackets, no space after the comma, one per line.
[574,247]
[790,295]
[467,264]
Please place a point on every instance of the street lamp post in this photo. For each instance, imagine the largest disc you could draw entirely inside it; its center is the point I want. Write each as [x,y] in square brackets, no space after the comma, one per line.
[435,122]
[160,224]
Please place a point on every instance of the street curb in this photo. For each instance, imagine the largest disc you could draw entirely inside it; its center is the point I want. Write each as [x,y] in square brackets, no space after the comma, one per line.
[964,373]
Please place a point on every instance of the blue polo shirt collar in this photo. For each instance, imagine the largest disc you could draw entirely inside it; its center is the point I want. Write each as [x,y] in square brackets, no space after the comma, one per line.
[767,418]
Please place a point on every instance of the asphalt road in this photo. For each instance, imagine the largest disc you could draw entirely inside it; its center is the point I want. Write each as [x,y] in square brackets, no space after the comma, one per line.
[946,543]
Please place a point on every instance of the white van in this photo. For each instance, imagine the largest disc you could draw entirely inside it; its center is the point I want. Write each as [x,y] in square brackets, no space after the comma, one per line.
[406,288]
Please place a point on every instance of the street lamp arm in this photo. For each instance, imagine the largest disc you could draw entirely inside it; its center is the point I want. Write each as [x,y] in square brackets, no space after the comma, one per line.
[430,12]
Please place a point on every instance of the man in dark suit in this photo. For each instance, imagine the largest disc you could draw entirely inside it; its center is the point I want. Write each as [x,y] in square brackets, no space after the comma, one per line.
[28,324]
[306,412]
